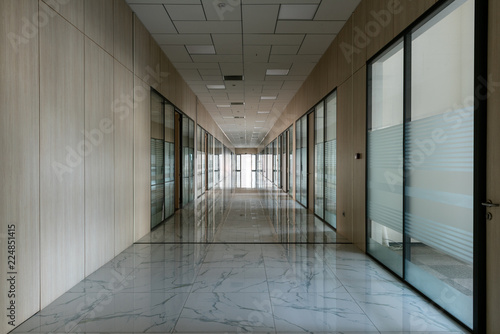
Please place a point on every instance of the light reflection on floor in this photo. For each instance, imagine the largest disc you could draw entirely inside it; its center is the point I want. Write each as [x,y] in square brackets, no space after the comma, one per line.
[241,261]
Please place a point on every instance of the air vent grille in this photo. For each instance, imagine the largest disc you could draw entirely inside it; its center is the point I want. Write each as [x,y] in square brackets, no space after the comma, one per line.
[233,78]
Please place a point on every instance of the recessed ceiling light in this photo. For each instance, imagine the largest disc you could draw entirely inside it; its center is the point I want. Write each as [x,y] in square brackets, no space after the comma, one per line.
[263,112]
[223,105]
[297,12]
[268,97]
[216,86]
[227,117]
[260,121]
[277,71]
[201,49]
[257,127]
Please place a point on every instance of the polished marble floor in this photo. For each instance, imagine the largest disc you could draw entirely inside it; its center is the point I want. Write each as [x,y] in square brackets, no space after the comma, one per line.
[242,261]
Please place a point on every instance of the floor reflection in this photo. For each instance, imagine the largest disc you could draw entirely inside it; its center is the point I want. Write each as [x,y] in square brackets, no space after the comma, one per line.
[226,214]
[241,261]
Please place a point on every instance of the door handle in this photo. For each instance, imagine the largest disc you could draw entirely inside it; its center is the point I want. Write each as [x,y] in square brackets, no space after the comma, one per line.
[489,204]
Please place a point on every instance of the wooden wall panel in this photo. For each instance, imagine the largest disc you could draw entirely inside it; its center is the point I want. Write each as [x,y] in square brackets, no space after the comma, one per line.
[344,57]
[411,10]
[71,10]
[142,171]
[359,165]
[359,38]
[99,166]
[61,158]
[124,156]
[331,68]
[142,47]
[379,25]
[19,172]
[123,34]
[99,23]
[492,176]
[165,66]
[153,77]
[344,159]
[323,88]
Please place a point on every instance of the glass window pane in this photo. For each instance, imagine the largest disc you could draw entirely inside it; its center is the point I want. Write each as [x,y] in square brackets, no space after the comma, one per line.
[384,159]
[319,160]
[331,160]
[439,164]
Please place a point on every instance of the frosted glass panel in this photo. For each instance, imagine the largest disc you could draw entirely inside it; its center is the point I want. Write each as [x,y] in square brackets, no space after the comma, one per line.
[385,159]
[439,160]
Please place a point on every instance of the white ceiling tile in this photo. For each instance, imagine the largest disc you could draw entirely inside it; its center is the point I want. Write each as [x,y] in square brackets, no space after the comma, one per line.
[176,53]
[227,44]
[309,27]
[297,11]
[336,9]
[212,77]
[190,75]
[273,39]
[256,53]
[294,58]
[259,18]
[199,27]
[196,65]
[217,58]
[316,44]
[199,89]
[285,49]
[183,39]
[231,10]
[154,18]
[186,12]
[233,68]
[210,72]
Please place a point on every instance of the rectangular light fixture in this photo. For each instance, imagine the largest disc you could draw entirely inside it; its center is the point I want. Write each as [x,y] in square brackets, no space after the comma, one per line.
[200,49]
[223,105]
[263,112]
[216,86]
[268,97]
[257,127]
[297,12]
[277,71]
[227,117]
[260,121]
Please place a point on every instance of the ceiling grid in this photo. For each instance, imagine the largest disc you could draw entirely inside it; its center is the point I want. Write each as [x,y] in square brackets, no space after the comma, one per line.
[209,39]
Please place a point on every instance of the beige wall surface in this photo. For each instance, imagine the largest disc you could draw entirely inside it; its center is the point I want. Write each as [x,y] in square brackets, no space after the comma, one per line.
[74,139]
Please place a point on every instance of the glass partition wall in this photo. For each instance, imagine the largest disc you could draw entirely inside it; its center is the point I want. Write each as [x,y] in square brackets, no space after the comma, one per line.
[162,159]
[421,159]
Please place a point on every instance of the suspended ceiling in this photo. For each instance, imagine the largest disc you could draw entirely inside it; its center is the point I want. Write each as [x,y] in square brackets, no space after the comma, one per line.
[273,45]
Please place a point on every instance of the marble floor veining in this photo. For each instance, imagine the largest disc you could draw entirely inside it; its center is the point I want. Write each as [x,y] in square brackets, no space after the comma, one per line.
[244,261]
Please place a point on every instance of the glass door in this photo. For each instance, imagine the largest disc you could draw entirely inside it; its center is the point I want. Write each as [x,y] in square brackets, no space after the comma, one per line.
[421,159]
